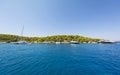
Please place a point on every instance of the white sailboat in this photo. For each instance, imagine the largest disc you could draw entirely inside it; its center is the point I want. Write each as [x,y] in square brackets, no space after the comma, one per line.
[21,39]
[57,42]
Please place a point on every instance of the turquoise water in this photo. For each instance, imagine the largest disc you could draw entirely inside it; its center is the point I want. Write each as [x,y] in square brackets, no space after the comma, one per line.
[61,59]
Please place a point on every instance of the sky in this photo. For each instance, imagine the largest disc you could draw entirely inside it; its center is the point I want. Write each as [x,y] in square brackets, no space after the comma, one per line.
[91,18]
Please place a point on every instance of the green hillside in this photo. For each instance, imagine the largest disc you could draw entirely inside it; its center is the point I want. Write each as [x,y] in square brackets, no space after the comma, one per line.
[61,38]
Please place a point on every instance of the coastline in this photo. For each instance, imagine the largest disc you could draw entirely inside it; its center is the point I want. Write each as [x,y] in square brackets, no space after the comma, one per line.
[56,39]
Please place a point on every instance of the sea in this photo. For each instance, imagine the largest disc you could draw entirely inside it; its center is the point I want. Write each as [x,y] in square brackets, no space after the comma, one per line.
[60,59]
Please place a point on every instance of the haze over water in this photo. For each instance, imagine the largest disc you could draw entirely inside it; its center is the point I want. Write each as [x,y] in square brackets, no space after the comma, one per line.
[60,59]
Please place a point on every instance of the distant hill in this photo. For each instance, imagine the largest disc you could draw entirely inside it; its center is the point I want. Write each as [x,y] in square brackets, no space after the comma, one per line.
[61,38]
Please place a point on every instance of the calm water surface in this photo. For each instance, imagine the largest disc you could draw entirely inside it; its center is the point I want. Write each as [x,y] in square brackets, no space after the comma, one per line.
[62,59]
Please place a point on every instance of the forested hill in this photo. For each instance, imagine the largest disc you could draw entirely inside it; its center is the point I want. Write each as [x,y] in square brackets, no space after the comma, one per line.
[56,38]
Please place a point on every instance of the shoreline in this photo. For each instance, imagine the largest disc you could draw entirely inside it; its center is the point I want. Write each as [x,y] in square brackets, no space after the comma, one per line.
[60,43]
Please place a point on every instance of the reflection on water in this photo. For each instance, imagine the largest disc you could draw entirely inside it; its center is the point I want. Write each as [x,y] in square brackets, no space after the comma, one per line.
[62,59]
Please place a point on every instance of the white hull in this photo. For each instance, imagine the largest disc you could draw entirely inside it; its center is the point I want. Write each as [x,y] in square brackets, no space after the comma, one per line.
[21,42]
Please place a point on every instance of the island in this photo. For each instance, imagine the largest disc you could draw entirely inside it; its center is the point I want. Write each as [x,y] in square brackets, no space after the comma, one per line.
[48,39]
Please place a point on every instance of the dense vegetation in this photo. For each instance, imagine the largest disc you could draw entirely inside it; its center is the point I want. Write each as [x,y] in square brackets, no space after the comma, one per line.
[57,38]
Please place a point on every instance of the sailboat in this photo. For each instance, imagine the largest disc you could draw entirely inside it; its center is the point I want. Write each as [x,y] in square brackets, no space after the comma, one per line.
[21,39]
[57,42]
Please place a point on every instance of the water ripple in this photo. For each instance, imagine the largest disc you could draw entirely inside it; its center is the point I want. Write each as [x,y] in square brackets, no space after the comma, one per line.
[63,59]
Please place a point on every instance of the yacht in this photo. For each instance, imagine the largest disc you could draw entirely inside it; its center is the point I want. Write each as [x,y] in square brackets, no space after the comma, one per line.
[57,42]
[74,42]
[21,39]
[19,42]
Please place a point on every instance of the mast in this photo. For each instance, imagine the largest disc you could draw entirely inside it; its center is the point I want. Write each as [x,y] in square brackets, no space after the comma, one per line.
[22,33]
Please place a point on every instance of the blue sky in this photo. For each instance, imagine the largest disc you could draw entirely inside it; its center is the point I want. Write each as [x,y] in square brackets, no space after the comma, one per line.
[92,18]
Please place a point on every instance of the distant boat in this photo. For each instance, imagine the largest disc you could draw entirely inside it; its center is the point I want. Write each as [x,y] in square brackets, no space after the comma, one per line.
[19,42]
[2,42]
[106,42]
[57,42]
[21,39]
[74,42]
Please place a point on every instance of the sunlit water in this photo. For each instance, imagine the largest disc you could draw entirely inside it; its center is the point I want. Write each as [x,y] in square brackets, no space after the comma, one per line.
[60,59]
